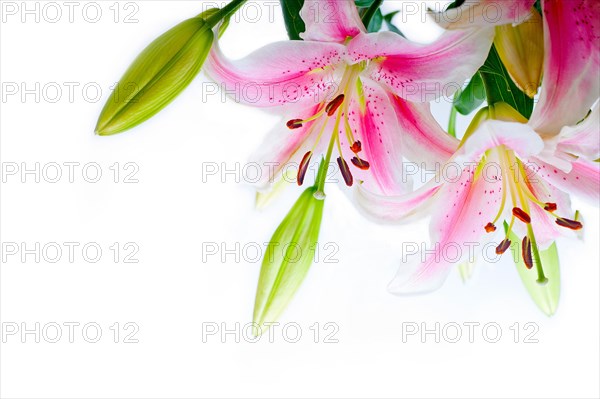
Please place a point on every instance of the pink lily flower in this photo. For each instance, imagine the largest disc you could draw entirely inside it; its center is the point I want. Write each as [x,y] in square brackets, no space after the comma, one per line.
[363,93]
[571,63]
[513,169]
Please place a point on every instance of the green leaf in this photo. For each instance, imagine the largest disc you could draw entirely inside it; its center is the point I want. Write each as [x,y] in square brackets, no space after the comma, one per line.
[369,14]
[162,71]
[471,97]
[363,3]
[499,86]
[390,25]
[291,16]
[455,4]
[545,296]
[376,22]
[288,258]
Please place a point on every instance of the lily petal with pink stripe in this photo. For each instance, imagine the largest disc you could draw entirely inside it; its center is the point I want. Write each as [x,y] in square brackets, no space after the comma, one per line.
[571,82]
[502,166]
[330,20]
[361,78]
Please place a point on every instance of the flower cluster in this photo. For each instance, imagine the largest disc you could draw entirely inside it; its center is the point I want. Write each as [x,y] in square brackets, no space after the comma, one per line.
[348,89]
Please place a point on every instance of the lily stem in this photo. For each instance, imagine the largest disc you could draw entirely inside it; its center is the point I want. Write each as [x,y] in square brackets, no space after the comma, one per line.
[224,12]
[323,172]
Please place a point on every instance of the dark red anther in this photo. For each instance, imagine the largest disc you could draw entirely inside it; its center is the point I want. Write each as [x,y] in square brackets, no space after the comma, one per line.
[356,147]
[569,224]
[490,227]
[360,163]
[334,105]
[303,167]
[521,215]
[345,171]
[550,207]
[294,123]
[526,251]
[500,249]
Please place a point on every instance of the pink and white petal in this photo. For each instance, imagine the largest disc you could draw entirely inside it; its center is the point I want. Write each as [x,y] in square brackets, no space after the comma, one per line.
[283,147]
[399,209]
[424,141]
[552,155]
[570,85]
[330,20]
[422,72]
[376,127]
[543,224]
[484,13]
[282,73]
[465,206]
[582,139]
[419,274]
[583,180]
[518,137]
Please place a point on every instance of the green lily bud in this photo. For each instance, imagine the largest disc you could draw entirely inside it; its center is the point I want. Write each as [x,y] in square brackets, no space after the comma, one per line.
[521,49]
[157,76]
[546,295]
[287,259]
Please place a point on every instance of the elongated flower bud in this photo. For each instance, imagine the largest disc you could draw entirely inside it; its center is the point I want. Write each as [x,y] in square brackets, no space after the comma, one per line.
[521,49]
[287,259]
[157,76]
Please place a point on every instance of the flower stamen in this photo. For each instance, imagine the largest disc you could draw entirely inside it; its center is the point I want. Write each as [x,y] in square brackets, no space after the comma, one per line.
[297,122]
[490,227]
[334,105]
[526,252]
[345,171]
[303,167]
[360,163]
[568,223]
[521,215]
[356,147]
[294,123]
[500,249]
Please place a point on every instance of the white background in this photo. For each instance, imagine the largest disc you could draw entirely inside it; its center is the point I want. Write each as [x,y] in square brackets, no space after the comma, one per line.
[171,292]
